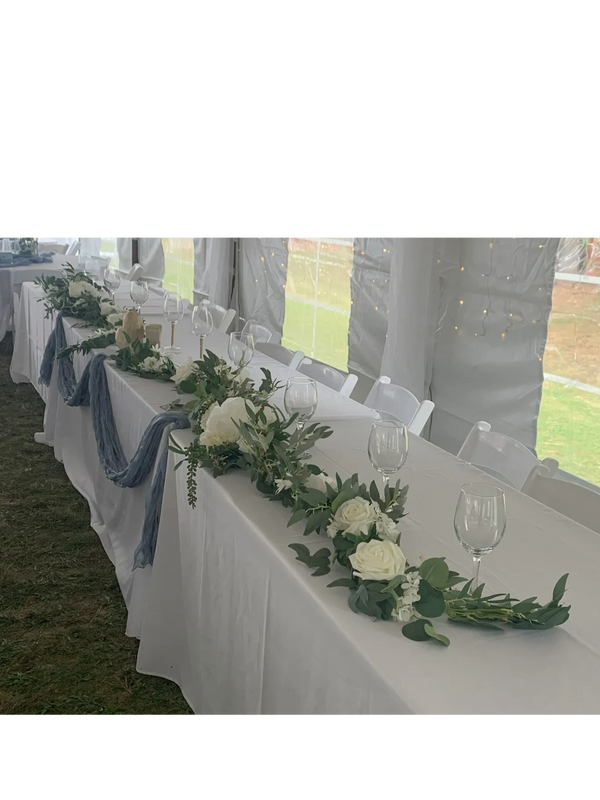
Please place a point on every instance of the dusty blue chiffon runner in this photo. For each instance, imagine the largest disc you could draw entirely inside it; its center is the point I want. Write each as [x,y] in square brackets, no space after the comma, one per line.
[92,390]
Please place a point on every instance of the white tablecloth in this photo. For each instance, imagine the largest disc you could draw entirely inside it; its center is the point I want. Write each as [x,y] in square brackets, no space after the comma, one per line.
[244,628]
[11,280]
[117,514]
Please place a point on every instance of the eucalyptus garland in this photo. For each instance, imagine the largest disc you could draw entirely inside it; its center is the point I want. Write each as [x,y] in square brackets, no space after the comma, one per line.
[79,296]
[237,428]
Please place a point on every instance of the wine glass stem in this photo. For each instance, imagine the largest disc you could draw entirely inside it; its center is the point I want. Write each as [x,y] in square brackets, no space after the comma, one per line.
[476,565]
[201,347]
[172,334]
[386,482]
[300,425]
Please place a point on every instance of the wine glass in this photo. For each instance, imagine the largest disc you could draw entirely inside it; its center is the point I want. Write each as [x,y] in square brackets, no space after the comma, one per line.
[173,312]
[138,292]
[90,267]
[241,348]
[301,398]
[480,521]
[202,324]
[388,447]
[112,281]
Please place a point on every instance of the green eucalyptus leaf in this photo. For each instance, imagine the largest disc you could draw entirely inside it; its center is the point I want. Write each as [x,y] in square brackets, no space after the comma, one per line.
[416,630]
[345,582]
[435,571]
[439,637]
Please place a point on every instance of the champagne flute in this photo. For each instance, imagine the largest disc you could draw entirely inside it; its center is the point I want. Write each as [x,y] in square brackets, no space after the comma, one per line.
[138,292]
[388,447]
[173,312]
[241,348]
[112,281]
[301,398]
[480,521]
[202,324]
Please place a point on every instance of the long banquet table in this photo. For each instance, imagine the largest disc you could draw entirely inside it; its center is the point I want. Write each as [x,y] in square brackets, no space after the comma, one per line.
[242,627]
[12,278]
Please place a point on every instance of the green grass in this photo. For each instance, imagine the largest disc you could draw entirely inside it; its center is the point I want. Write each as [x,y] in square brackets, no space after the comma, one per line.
[62,618]
[331,333]
[569,430]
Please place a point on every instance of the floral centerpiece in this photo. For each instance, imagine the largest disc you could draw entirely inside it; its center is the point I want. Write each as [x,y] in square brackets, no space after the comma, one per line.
[26,247]
[361,524]
[77,295]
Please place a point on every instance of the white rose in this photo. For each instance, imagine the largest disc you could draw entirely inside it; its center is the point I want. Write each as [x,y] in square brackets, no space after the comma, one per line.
[89,289]
[106,308]
[320,482]
[75,289]
[219,422]
[184,371]
[282,484]
[355,516]
[378,561]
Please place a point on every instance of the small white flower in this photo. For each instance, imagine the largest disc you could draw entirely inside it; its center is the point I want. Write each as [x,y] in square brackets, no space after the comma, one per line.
[378,561]
[282,483]
[386,527]
[106,308]
[243,445]
[241,376]
[320,482]
[151,364]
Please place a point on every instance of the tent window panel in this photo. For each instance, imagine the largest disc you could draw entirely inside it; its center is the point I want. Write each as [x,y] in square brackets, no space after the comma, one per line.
[317,299]
[179,266]
[108,249]
[569,421]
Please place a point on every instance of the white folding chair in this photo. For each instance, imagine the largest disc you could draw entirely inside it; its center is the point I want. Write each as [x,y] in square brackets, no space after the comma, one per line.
[576,502]
[260,332]
[222,317]
[73,248]
[390,399]
[501,456]
[329,376]
[47,247]
[291,358]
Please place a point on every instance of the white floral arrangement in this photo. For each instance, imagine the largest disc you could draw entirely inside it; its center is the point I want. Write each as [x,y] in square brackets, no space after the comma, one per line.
[362,524]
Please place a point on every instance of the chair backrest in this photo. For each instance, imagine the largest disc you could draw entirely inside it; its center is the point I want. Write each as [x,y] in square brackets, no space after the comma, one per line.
[260,332]
[501,455]
[73,248]
[199,297]
[290,358]
[574,501]
[329,376]
[48,247]
[388,398]
[222,317]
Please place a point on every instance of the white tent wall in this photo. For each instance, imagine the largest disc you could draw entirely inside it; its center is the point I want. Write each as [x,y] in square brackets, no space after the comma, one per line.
[152,255]
[487,361]
[125,251]
[467,328]
[90,247]
[370,286]
[260,279]
[213,269]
